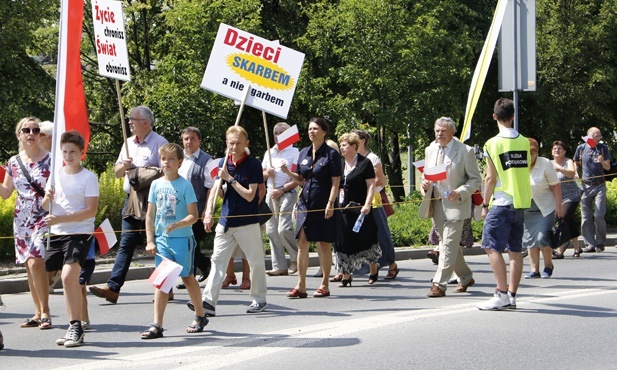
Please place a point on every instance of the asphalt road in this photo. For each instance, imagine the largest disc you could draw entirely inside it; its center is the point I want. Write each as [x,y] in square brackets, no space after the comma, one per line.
[566,322]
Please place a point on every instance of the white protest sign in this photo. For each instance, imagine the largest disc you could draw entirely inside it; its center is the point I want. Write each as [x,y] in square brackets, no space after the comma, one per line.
[110,39]
[239,59]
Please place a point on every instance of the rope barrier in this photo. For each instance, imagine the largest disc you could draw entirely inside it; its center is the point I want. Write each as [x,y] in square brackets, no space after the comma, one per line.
[412,201]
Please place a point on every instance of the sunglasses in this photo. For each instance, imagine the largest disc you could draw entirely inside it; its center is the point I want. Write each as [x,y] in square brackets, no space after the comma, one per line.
[27,130]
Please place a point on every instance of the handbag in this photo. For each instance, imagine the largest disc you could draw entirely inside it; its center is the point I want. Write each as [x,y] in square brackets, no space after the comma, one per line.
[559,234]
[33,185]
[387,207]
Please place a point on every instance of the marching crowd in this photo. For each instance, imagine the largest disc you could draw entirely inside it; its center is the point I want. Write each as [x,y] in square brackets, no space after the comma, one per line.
[325,193]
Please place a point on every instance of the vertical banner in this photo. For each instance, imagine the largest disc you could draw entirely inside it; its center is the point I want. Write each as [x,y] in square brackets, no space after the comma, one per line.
[239,59]
[70,111]
[110,39]
[479,75]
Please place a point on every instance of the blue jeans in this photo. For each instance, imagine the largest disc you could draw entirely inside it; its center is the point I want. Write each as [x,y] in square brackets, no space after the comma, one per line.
[128,241]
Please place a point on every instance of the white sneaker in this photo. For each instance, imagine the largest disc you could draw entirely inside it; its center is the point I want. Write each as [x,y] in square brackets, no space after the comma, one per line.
[499,301]
[512,304]
[257,307]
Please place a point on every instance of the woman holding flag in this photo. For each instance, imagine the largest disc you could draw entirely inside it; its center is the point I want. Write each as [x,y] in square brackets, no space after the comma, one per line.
[319,170]
[28,172]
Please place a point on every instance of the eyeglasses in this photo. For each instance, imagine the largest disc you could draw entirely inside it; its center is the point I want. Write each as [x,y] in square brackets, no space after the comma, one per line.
[136,119]
[27,130]
[278,133]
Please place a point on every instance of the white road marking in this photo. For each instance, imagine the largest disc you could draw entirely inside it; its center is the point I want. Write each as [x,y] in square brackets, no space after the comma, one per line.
[216,357]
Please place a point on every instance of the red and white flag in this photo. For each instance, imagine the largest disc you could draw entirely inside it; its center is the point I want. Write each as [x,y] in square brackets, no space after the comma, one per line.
[71,112]
[212,169]
[437,173]
[589,140]
[419,165]
[105,236]
[165,274]
[288,137]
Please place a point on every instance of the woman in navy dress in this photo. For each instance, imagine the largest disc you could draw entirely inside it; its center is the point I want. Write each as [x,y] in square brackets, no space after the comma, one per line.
[319,170]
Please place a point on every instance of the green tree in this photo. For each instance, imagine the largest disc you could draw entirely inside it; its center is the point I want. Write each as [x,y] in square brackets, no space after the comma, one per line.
[391,66]
[27,89]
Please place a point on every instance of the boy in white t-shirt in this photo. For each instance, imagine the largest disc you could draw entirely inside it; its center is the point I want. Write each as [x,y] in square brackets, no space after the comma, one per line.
[73,202]
[172,209]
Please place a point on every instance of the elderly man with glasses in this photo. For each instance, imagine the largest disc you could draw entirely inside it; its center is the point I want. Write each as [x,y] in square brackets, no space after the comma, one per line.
[143,149]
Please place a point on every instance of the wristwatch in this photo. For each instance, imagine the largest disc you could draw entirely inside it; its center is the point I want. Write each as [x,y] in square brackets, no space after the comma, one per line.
[282,188]
[484,205]
[231,182]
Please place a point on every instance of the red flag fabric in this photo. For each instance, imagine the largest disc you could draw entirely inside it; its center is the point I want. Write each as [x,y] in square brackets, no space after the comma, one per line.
[70,112]
[212,169]
[436,173]
[2,173]
[288,137]
[165,274]
[419,165]
[590,141]
[105,236]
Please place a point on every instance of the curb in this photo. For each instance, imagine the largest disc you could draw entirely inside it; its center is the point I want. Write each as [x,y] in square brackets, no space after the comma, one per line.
[14,280]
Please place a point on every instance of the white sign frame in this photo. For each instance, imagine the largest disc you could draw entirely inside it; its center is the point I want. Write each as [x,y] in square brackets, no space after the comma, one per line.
[240,59]
[110,39]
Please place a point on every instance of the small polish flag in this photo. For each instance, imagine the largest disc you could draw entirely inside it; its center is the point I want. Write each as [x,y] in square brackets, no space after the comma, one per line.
[165,274]
[419,165]
[105,236]
[589,140]
[293,165]
[436,173]
[212,169]
[288,137]
[2,173]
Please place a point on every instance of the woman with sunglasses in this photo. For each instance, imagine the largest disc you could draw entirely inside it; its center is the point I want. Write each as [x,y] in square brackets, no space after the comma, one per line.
[27,172]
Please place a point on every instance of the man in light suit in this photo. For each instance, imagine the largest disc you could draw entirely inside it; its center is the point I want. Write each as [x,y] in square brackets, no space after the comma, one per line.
[448,202]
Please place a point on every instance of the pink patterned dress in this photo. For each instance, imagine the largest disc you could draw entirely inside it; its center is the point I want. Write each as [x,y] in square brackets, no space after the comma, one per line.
[29,227]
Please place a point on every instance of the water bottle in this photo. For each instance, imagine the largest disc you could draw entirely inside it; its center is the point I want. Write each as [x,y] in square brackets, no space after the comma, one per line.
[358,224]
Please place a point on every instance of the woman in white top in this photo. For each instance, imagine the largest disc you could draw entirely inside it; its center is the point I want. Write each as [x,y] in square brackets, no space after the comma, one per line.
[540,218]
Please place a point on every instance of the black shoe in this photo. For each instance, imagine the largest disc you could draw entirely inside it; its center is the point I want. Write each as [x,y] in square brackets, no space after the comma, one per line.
[181,286]
[600,248]
[589,250]
[202,277]
[208,308]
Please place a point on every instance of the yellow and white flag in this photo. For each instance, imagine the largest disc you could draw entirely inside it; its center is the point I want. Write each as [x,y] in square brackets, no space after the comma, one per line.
[479,75]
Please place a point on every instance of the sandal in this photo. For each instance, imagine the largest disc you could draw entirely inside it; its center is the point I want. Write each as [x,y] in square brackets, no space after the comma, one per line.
[229,280]
[372,279]
[246,284]
[30,323]
[321,293]
[392,273]
[45,323]
[295,293]
[153,332]
[199,327]
[336,278]
[577,252]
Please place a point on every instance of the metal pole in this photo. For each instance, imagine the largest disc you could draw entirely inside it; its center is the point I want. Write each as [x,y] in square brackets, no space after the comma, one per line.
[516,87]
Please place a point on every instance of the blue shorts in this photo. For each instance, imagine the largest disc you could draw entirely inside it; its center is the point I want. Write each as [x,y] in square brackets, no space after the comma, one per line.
[180,250]
[503,228]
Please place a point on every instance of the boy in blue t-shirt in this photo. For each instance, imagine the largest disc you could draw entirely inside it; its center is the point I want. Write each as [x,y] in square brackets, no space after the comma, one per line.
[172,209]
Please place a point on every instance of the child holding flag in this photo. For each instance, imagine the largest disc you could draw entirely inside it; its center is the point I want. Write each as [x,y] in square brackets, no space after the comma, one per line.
[72,202]
[172,209]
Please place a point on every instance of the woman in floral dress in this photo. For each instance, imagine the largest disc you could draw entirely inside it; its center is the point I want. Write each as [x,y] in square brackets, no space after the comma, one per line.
[29,227]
